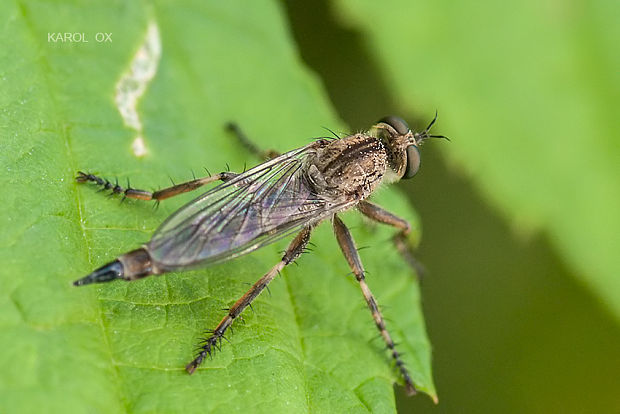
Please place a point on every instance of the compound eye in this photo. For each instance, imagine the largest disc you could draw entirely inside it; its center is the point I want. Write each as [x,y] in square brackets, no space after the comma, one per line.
[413,161]
[397,123]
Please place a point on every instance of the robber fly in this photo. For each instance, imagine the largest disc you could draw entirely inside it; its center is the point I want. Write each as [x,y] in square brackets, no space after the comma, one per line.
[288,194]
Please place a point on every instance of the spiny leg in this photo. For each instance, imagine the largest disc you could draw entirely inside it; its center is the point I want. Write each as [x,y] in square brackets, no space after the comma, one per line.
[401,242]
[294,250]
[345,240]
[156,195]
[249,145]
[184,187]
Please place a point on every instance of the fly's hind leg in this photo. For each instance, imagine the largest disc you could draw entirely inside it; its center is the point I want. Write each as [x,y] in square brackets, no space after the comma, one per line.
[176,189]
[249,145]
[207,345]
[347,245]
[401,242]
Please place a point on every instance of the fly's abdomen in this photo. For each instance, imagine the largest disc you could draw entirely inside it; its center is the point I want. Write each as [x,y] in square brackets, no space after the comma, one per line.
[131,266]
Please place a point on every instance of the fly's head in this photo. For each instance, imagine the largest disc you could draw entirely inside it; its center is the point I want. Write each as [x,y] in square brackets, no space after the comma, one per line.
[402,144]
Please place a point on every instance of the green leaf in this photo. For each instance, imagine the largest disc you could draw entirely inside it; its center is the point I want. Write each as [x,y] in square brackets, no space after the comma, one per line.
[528,92]
[123,346]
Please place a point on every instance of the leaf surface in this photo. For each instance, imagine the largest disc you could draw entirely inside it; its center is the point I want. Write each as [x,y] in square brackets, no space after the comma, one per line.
[122,347]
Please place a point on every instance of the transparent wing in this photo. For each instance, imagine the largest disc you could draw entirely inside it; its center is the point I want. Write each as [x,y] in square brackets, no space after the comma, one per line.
[260,206]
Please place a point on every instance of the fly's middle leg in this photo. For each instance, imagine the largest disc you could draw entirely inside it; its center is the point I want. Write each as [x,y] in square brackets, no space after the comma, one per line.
[347,245]
[249,145]
[207,345]
[401,242]
[159,195]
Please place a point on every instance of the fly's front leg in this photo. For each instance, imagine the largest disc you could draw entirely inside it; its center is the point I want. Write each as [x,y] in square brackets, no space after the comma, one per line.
[401,242]
[296,248]
[249,145]
[345,240]
[159,195]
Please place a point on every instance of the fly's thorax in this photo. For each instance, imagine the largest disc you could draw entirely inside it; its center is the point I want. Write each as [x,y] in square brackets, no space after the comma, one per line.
[352,166]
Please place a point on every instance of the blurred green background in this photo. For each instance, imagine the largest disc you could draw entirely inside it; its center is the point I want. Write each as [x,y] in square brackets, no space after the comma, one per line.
[520,210]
